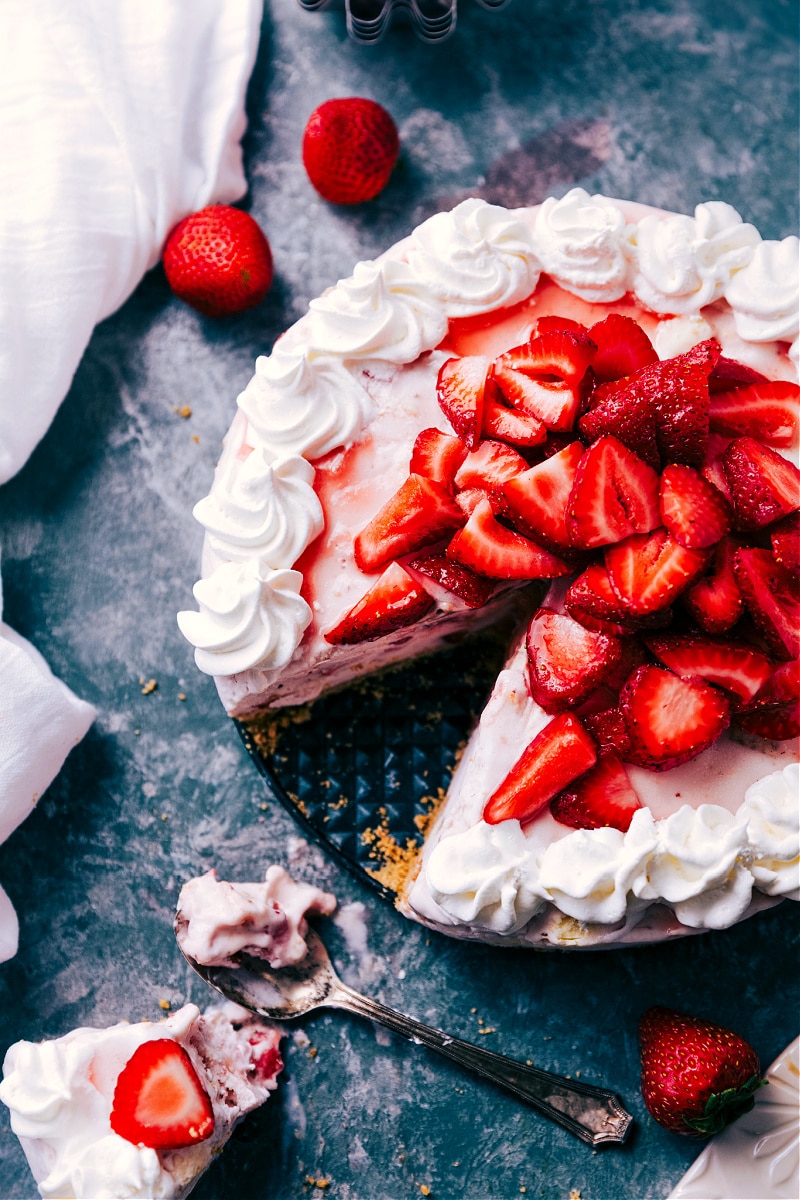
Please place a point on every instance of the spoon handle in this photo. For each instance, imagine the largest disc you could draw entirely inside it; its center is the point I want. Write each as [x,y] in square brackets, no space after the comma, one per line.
[594,1114]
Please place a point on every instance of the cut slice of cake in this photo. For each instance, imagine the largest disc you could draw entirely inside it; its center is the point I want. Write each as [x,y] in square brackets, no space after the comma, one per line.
[588,391]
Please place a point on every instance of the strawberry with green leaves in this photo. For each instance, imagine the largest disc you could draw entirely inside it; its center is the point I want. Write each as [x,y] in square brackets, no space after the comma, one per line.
[696,1077]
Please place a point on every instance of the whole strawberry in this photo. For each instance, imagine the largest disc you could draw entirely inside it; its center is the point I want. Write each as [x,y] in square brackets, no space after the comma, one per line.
[349,149]
[696,1077]
[218,261]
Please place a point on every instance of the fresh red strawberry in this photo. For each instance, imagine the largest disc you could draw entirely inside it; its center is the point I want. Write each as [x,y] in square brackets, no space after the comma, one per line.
[393,602]
[764,486]
[774,712]
[766,411]
[696,1077]
[443,579]
[647,571]
[468,499]
[553,402]
[420,513]
[772,597]
[218,261]
[489,466]
[603,797]
[567,661]
[731,665]
[728,374]
[619,410]
[591,600]
[544,376]
[610,731]
[782,687]
[350,147]
[489,548]
[614,495]
[437,456]
[559,753]
[512,425]
[556,324]
[159,1100]
[670,720]
[712,469]
[623,347]
[537,499]
[785,538]
[461,392]
[694,512]
[715,601]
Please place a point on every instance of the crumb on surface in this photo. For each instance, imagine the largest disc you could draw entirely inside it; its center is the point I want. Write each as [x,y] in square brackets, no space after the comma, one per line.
[165,1004]
[574,1194]
[183,410]
[148,685]
[181,695]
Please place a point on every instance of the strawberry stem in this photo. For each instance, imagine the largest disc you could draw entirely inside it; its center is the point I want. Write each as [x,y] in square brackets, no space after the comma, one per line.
[723,1108]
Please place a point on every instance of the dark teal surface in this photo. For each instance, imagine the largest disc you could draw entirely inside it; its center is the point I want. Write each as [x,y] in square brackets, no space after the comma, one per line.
[670,103]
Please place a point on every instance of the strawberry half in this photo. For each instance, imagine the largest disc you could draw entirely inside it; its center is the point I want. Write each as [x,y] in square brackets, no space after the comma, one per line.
[591,600]
[610,731]
[543,376]
[559,753]
[511,425]
[443,579]
[567,661]
[614,495]
[437,456]
[766,411]
[603,797]
[772,597]
[764,486]
[536,499]
[489,466]
[618,410]
[623,347]
[696,1077]
[420,513]
[785,538]
[393,602]
[774,712]
[159,1100]
[715,601]
[694,512]
[731,665]
[670,720]
[729,374]
[461,391]
[647,571]
[489,548]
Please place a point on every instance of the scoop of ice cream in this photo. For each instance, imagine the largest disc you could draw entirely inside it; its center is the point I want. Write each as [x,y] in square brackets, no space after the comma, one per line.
[218,920]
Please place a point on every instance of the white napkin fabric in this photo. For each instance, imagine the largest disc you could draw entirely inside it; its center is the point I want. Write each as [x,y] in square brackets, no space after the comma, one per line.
[117,118]
[40,721]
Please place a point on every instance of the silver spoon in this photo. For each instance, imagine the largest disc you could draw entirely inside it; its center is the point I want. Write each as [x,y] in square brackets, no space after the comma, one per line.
[594,1114]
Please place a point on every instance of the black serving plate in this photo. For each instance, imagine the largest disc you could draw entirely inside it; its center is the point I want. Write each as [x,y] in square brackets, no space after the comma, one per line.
[362,769]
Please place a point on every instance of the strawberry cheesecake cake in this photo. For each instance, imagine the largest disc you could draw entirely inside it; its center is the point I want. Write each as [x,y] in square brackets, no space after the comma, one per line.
[588,398]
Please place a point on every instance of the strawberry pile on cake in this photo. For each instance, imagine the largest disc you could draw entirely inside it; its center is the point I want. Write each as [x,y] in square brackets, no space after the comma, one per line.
[589,395]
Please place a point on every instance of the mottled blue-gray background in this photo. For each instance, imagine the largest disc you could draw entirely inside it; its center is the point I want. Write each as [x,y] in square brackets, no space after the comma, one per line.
[670,102]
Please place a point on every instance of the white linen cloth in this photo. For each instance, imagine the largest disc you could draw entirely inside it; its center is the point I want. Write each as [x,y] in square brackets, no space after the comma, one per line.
[117,118]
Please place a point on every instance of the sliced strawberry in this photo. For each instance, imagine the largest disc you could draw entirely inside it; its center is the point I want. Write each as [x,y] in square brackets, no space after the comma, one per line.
[544,376]
[782,687]
[764,485]
[682,403]
[767,411]
[647,571]
[159,1100]
[776,722]
[555,324]
[537,498]
[694,512]
[603,797]
[591,600]
[614,495]
[469,498]
[619,410]
[437,456]
[731,665]
[460,390]
[557,755]
[489,548]
[713,470]
[489,466]
[553,402]
[609,729]
[772,597]
[443,579]
[785,538]
[715,601]
[728,374]
[671,720]
[566,661]
[511,425]
[420,513]
[623,347]
[393,602]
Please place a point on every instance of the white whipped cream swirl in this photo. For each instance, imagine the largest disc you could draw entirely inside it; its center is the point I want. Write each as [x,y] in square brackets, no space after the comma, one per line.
[474,259]
[580,242]
[249,614]
[684,263]
[765,295]
[702,863]
[263,509]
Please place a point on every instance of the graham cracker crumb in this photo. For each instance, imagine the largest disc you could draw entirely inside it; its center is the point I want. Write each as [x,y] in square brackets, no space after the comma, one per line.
[266,728]
[165,1004]
[574,1194]
[183,410]
[149,686]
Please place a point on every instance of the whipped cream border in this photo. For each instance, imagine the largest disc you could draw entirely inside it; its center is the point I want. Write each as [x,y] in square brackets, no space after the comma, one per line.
[306,398]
